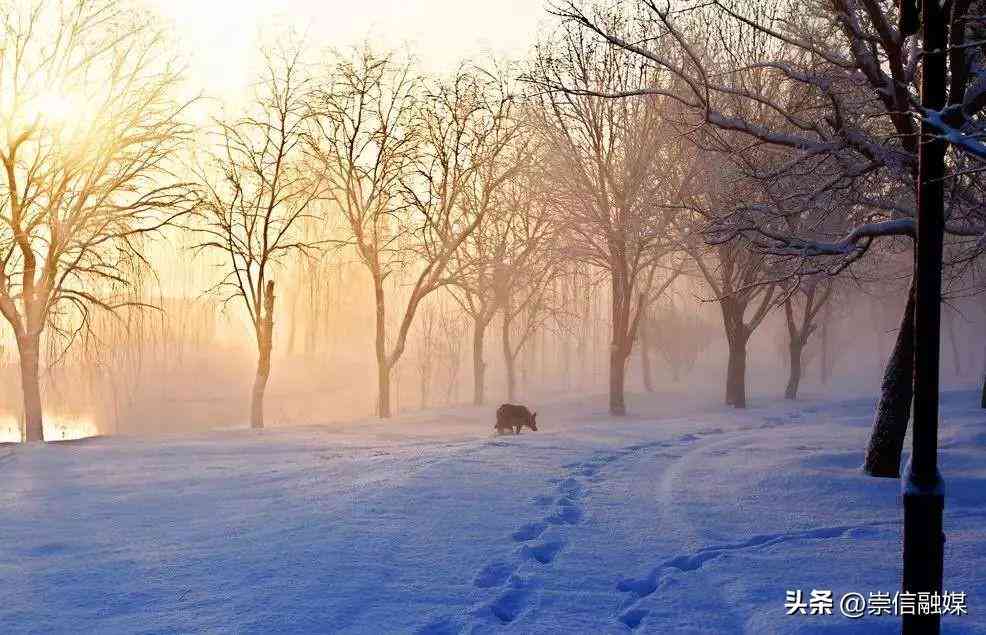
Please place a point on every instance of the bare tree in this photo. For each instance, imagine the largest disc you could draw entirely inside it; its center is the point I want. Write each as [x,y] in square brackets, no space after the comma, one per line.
[90,124]
[512,242]
[452,327]
[257,190]
[525,292]
[810,297]
[365,138]
[740,279]
[427,352]
[611,176]
[678,335]
[400,168]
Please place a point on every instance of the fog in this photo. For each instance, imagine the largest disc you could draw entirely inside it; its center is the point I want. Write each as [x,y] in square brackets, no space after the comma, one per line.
[188,364]
[340,227]
[431,316]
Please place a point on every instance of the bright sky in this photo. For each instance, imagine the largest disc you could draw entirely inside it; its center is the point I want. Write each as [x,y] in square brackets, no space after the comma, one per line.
[219,36]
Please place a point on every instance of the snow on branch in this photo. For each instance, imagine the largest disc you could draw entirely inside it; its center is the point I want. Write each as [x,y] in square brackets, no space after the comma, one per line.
[957,124]
[972,142]
[856,240]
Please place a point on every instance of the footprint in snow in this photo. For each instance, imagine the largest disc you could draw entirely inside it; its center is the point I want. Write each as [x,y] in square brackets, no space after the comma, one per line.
[633,618]
[568,513]
[512,603]
[48,549]
[493,574]
[444,626]
[570,487]
[545,553]
[530,531]
[587,470]
[543,501]
[772,422]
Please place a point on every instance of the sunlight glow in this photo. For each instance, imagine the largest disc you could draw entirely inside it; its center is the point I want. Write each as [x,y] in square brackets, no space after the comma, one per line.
[56,108]
[57,428]
[440,33]
[60,113]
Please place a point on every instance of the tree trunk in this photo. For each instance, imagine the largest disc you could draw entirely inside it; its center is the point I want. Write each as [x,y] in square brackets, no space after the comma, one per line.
[478,365]
[794,379]
[29,349]
[796,343]
[265,341]
[259,388]
[621,339]
[894,409]
[509,361]
[645,364]
[736,373]
[617,381]
[380,347]
[383,394]
[737,335]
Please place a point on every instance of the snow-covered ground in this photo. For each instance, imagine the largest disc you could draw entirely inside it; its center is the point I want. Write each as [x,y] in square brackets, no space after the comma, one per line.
[681,519]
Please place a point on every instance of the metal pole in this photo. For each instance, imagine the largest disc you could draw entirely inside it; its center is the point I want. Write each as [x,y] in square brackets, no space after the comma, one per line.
[924,498]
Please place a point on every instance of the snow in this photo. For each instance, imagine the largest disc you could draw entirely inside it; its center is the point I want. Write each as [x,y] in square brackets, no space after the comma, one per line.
[685,518]
[970,142]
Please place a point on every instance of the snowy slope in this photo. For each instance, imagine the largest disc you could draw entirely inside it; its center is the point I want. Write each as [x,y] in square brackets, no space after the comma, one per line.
[695,522]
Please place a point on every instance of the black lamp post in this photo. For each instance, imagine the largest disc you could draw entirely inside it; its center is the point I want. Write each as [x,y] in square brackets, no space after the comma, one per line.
[924,498]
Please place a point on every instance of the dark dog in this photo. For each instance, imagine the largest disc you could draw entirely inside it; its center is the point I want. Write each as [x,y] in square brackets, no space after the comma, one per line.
[511,418]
